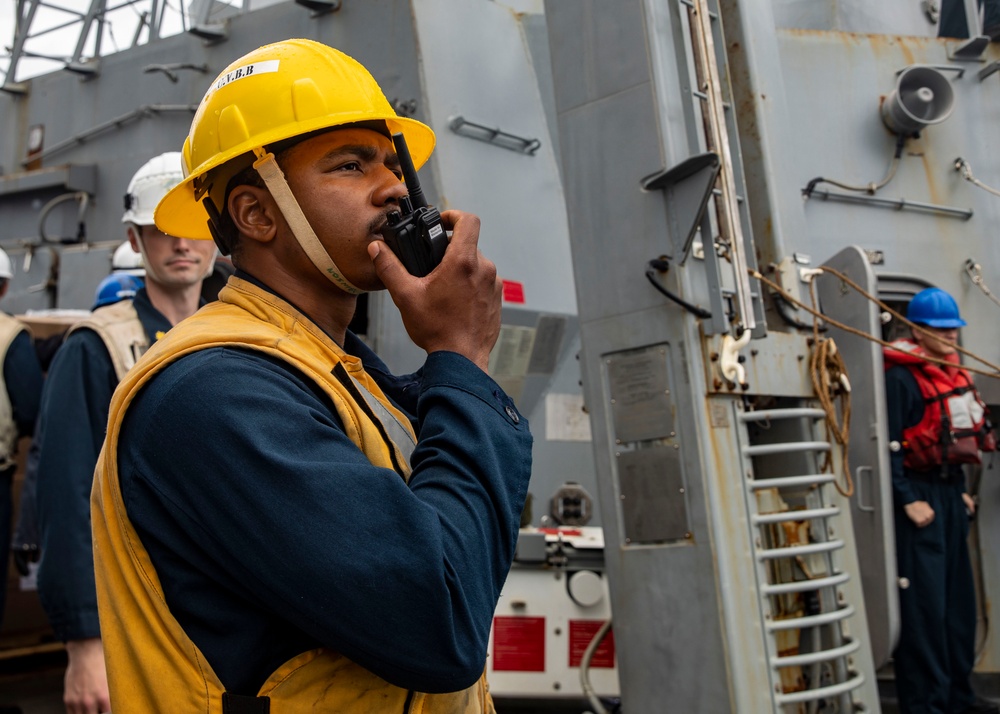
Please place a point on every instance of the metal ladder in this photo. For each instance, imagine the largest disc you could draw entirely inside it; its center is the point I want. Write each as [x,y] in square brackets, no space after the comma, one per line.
[713,101]
[782,577]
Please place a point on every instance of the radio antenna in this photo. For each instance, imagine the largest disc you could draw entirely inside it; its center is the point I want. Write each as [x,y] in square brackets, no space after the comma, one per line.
[409,173]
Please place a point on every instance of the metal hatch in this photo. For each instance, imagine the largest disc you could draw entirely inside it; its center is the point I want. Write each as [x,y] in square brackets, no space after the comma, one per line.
[871,506]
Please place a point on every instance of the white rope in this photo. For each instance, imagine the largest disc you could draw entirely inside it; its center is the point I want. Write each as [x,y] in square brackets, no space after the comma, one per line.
[962,166]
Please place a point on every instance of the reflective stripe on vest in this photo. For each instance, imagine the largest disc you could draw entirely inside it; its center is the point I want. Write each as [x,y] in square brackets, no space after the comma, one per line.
[397,433]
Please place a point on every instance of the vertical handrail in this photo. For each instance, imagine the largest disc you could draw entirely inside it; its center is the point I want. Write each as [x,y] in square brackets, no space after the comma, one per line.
[717,138]
[972,19]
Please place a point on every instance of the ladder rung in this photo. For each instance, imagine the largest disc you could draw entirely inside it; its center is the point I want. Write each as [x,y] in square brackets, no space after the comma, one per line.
[776,414]
[814,657]
[801,586]
[786,448]
[793,551]
[789,481]
[704,97]
[801,623]
[810,695]
[730,292]
[799,515]
[690,4]
[717,192]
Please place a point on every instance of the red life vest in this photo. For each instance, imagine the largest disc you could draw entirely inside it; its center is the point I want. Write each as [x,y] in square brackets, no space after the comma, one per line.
[955,426]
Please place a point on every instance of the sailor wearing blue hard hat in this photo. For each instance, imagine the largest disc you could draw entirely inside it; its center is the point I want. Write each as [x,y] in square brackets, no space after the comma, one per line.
[937,423]
[116,287]
[934,307]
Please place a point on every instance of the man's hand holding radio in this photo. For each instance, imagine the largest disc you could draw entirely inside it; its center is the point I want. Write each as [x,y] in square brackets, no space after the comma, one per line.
[455,308]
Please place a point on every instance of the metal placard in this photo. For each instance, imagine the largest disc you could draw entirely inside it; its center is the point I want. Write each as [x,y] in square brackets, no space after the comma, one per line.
[548,340]
[641,405]
[652,495]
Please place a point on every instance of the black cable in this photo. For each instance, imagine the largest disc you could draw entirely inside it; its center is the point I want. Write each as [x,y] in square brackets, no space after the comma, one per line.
[782,307]
[661,265]
[870,188]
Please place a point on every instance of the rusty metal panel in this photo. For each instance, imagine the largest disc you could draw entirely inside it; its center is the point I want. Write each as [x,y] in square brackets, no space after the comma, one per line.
[776,366]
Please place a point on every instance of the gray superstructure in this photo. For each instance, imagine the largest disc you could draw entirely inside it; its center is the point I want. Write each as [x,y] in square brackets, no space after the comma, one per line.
[633,163]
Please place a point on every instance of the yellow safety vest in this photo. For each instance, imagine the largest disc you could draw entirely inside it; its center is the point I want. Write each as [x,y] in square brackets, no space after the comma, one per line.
[153,666]
[9,329]
[120,328]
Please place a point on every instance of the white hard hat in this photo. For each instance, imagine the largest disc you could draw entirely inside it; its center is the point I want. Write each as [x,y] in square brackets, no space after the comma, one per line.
[6,267]
[149,184]
[126,260]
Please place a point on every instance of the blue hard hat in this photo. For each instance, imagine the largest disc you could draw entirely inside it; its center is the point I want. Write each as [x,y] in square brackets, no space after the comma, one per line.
[116,287]
[934,307]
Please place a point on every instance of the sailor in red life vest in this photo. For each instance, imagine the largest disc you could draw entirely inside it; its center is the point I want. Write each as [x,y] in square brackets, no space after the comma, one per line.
[937,423]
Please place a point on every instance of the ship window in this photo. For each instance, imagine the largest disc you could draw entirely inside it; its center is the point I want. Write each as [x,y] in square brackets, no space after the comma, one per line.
[896,291]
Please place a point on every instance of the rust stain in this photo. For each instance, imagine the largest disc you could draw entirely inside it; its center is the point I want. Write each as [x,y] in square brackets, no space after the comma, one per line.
[719,440]
[787,642]
[931,170]
[850,38]
[889,45]
[881,45]
[931,187]
[907,54]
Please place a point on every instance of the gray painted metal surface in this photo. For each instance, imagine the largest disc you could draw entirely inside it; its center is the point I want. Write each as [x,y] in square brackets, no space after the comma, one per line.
[902,18]
[608,95]
[805,92]
[379,34]
[856,72]
[486,75]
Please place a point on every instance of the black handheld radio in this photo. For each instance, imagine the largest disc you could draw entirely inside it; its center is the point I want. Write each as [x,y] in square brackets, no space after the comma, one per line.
[414,232]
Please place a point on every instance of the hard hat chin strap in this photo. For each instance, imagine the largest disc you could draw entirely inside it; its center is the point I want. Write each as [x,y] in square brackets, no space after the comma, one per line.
[274,179]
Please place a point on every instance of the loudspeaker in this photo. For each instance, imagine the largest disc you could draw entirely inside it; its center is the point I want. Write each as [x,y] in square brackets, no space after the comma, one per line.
[922,96]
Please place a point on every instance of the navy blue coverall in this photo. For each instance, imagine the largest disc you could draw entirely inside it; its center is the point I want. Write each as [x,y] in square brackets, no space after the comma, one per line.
[74,419]
[272,533]
[23,378]
[935,654]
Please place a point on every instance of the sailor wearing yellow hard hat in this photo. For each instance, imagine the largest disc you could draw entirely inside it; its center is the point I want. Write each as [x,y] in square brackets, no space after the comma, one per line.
[238,124]
[279,522]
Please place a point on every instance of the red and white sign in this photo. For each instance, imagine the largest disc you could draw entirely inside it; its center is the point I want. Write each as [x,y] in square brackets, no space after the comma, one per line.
[581,632]
[519,644]
[513,291]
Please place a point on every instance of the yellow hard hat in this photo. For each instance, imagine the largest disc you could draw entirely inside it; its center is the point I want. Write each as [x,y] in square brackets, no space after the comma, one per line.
[276,92]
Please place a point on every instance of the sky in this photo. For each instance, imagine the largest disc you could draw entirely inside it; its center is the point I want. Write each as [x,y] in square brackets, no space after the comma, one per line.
[118,33]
